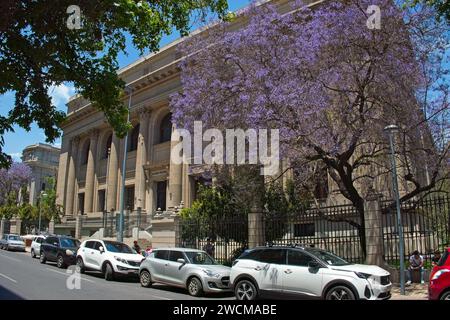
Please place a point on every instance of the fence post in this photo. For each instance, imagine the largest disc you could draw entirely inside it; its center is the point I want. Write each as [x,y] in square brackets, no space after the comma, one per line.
[177,228]
[255,227]
[51,226]
[373,229]
[78,225]
[2,227]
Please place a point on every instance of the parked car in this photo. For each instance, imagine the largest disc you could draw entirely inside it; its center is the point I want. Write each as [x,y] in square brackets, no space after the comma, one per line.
[191,269]
[112,258]
[36,245]
[439,286]
[305,272]
[59,249]
[12,242]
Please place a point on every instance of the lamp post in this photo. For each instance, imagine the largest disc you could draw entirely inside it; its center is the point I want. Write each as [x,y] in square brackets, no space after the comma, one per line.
[124,167]
[391,130]
[43,194]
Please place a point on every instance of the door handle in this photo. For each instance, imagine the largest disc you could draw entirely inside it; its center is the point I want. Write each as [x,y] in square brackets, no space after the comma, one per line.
[166,264]
[288,271]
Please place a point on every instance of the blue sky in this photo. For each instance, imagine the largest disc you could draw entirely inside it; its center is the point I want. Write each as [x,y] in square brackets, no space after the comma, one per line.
[16,141]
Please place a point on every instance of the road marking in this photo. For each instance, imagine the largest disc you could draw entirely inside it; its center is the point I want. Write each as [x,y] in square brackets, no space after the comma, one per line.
[6,277]
[68,274]
[7,257]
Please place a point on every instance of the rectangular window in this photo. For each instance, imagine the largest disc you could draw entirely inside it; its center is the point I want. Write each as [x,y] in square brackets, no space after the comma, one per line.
[81,203]
[161,187]
[101,200]
[129,198]
[304,230]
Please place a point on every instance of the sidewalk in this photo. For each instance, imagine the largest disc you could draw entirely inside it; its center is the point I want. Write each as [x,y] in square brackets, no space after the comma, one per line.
[415,291]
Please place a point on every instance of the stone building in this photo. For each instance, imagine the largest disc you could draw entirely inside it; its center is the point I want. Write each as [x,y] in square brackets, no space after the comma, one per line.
[90,165]
[43,160]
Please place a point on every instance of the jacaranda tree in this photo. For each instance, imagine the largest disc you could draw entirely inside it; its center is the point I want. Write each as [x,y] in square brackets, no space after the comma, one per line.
[330,80]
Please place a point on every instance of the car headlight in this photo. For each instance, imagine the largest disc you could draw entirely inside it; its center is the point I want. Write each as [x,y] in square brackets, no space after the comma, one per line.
[211,273]
[121,260]
[69,252]
[439,273]
[363,275]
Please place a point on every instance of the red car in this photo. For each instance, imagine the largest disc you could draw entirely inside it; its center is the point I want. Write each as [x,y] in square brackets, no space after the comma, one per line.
[439,287]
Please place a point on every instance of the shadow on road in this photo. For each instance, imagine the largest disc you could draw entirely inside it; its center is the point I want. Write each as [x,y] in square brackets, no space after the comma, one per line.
[163,287]
[120,278]
[6,294]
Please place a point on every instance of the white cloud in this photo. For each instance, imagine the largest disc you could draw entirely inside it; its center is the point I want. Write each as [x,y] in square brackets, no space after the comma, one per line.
[61,94]
[16,156]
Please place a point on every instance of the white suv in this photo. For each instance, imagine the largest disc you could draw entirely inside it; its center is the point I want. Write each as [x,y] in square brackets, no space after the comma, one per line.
[36,245]
[109,257]
[305,272]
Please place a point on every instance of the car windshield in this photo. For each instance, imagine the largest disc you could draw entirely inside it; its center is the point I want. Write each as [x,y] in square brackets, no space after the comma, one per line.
[16,238]
[69,243]
[328,257]
[200,258]
[118,247]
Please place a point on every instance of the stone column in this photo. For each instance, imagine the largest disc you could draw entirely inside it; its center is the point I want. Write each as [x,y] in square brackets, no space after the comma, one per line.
[256,234]
[2,226]
[373,229]
[51,226]
[78,226]
[175,181]
[112,174]
[71,175]
[141,159]
[90,173]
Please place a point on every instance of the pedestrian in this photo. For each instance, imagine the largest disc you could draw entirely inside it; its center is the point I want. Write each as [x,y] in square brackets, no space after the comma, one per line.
[209,247]
[148,251]
[436,258]
[136,247]
[415,263]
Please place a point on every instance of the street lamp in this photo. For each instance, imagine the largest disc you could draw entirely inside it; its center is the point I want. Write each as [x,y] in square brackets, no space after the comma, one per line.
[43,194]
[391,130]
[124,167]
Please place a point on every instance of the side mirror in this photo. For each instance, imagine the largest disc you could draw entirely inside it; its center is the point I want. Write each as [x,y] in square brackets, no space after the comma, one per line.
[314,265]
[182,261]
[101,249]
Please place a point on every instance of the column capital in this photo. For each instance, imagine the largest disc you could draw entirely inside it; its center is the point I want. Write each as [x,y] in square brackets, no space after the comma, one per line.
[75,140]
[93,134]
[143,113]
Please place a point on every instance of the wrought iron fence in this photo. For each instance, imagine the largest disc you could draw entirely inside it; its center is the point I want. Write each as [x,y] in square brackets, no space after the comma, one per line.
[426,224]
[330,228]
[228,235]
[109,221]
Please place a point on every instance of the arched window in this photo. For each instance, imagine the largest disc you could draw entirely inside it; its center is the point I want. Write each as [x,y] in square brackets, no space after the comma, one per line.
[107,146]
[85,153]
[133,138]
[165,129]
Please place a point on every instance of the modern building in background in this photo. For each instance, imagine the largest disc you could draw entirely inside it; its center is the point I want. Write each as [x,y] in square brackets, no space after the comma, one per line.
[43,159]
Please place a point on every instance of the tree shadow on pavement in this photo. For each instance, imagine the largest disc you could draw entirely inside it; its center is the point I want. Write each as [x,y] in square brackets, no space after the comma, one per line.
[6,294]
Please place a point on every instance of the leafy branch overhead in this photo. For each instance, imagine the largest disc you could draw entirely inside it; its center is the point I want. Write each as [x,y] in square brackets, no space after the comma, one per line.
[38,51]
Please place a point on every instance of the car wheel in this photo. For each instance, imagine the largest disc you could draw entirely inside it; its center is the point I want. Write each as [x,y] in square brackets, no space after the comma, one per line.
[109,272]
[245,290]
[446,296]
[145,278]
[60,262]
[33,254]
[195,287]
[42,258]
[80,265]
[340,293]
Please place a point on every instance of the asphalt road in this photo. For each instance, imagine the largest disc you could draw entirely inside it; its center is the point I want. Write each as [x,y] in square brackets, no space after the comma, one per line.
[22,277]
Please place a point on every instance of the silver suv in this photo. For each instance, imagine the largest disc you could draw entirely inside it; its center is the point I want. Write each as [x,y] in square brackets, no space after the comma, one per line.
[12,242]
[191,269]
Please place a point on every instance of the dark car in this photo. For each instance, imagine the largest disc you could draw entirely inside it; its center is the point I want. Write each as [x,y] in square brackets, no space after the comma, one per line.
[60,249]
